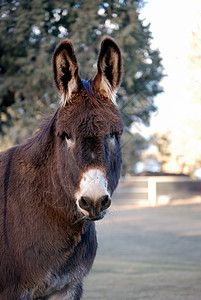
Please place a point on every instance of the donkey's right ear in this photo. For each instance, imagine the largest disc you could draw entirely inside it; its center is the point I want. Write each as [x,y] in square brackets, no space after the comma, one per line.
[65,69]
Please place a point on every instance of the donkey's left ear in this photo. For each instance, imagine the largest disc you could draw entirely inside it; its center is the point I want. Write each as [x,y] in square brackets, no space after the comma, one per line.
[108,76]
[65,69]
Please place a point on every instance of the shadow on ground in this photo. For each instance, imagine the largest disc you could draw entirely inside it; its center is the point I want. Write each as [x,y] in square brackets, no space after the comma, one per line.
[147,253]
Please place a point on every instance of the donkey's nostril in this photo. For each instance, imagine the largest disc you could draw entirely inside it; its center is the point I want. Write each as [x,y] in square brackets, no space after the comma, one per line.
[85,202]
[94,209]
[105,201]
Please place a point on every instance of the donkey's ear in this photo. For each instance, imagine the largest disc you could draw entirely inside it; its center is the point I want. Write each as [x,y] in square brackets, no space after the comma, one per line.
[108,76]
[65,70]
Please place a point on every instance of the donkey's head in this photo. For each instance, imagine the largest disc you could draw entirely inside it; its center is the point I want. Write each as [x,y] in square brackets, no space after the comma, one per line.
[88,128]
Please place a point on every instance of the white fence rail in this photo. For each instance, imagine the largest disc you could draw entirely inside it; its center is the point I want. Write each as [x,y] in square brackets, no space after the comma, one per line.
[155,189]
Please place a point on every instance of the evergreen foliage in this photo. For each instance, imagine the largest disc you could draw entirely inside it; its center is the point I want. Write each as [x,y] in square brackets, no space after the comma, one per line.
[30,30]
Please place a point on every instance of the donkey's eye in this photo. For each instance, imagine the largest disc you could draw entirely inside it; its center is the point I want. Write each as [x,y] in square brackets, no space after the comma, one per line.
[69,140]
[66,136]
[113,135]
[112,138]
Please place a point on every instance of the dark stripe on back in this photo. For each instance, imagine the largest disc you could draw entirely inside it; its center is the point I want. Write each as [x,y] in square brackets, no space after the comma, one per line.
[6,183]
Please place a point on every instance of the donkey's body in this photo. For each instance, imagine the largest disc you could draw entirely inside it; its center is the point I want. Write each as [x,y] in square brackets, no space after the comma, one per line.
[42,250]
[57,183]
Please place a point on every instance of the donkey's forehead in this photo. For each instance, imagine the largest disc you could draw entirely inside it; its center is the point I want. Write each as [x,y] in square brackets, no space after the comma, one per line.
[89,114]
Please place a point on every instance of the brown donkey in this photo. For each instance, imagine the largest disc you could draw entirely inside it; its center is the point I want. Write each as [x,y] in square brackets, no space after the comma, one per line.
[56,184]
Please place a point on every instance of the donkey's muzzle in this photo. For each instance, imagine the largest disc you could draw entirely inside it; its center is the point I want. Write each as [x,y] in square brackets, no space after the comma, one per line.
[94,209]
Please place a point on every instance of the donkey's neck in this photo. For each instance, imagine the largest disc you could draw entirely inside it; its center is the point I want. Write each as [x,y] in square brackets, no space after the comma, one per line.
[39,148]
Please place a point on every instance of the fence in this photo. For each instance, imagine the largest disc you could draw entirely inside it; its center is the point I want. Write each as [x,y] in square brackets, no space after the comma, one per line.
[154,190]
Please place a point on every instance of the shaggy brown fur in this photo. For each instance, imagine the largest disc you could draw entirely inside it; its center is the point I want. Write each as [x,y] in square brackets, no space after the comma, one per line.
[46,245]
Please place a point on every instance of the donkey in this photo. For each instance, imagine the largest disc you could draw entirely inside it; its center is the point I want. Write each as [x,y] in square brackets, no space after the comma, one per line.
[57,183]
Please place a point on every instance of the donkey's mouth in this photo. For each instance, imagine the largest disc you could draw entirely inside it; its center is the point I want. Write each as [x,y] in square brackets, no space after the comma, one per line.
[95,218]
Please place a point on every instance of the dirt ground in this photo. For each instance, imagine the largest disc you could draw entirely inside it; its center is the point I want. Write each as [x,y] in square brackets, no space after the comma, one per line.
[147,253]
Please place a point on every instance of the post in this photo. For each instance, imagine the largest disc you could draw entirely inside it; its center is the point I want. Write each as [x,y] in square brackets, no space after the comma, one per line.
[152,191]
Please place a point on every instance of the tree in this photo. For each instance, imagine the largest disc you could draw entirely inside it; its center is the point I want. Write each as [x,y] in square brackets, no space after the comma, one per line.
[162,153]
[132,147]
[30,31]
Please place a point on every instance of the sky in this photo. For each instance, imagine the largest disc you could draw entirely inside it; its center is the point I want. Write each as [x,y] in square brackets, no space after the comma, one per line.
[172,23]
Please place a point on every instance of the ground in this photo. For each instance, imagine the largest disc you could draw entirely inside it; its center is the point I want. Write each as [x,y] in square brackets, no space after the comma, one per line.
[147,253]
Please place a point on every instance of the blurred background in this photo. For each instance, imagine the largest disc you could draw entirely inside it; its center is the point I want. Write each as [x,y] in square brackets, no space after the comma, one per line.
[30,30]
[150,245]
[160,94]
